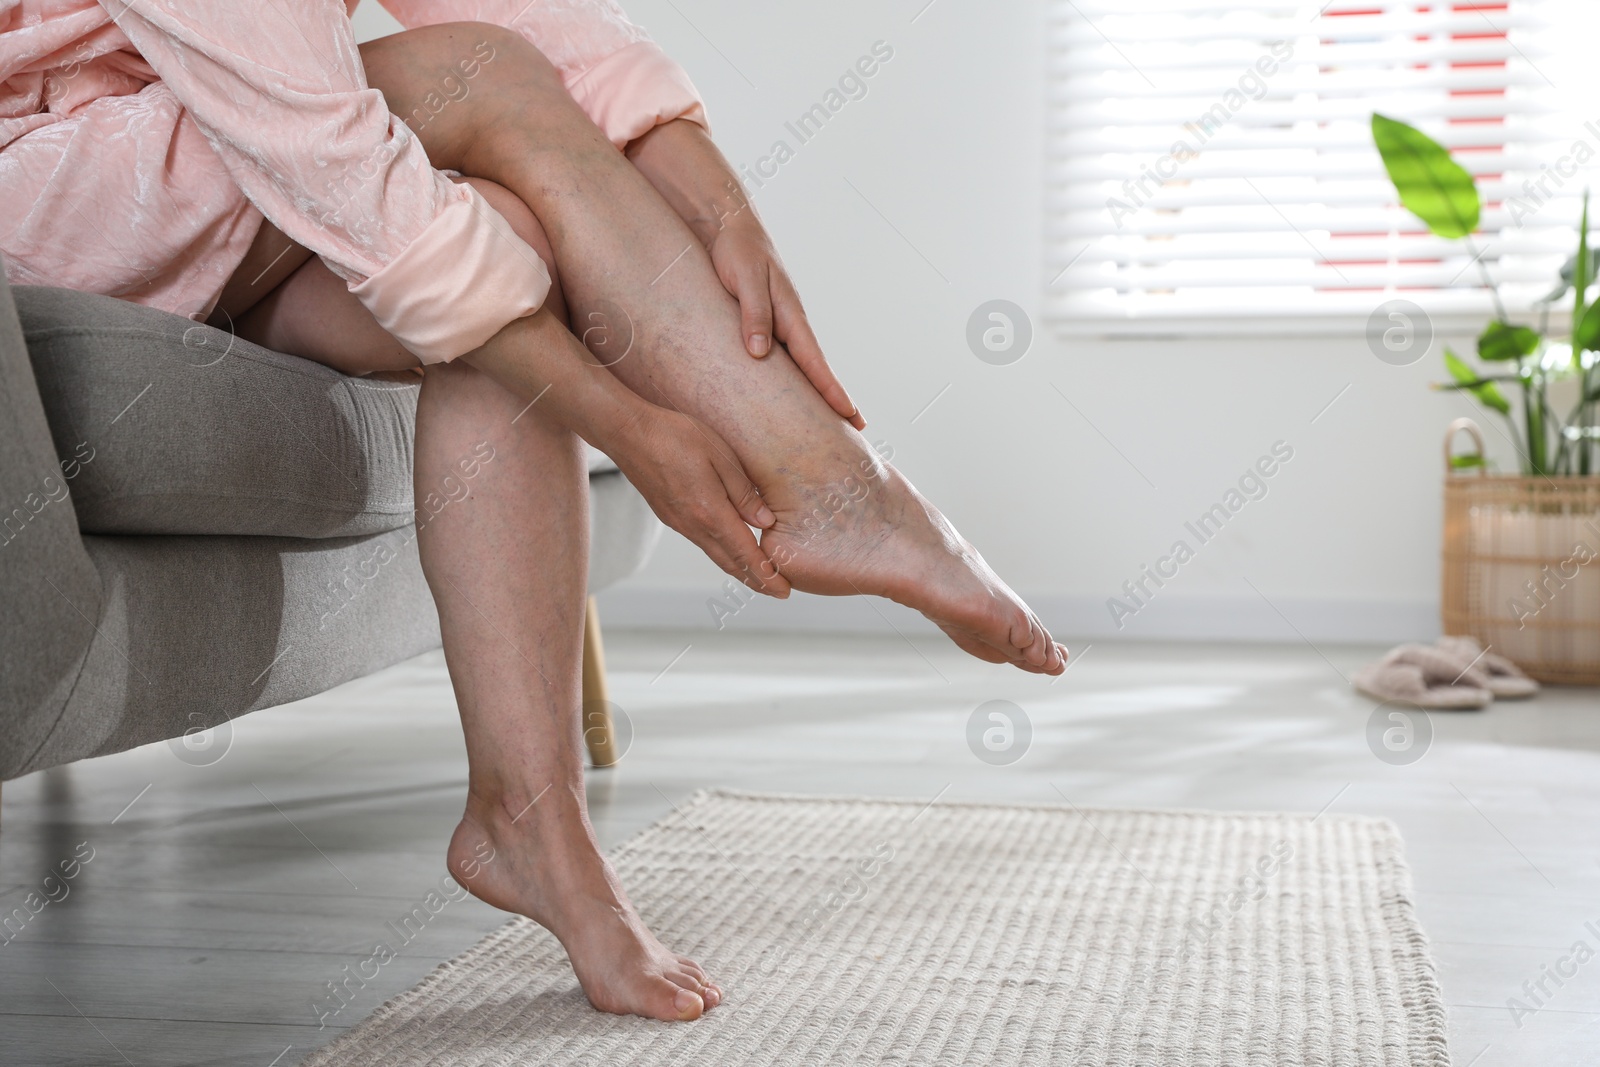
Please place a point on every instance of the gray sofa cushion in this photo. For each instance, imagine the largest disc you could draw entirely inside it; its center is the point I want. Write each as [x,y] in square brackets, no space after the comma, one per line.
[183,429]
[177,428]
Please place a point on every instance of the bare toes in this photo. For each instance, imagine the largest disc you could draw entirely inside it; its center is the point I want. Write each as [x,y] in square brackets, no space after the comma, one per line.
[1023,633]
[975,646]
[693,976]
[1046,647]
[708,993]
[686,1003]
[666,999]
[1035,642]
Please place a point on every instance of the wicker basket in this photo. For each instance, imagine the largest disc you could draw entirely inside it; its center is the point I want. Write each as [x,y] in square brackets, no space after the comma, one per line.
[1522,566]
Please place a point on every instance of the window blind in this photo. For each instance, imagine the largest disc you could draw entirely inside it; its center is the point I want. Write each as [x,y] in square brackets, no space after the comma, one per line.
[1211,167]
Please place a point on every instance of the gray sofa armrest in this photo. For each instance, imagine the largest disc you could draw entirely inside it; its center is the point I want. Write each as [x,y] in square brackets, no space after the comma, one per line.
[49,588]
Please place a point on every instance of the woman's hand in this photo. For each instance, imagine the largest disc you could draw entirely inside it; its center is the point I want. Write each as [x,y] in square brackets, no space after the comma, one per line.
[769,307]
[693,483]
[687,473]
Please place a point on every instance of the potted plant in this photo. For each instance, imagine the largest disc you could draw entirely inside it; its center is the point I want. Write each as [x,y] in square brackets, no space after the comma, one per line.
[1521,551]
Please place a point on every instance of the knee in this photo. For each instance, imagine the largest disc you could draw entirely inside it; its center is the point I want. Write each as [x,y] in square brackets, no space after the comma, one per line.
[484,50]
[460,86]
[427,68]
[498,49]
[525,224]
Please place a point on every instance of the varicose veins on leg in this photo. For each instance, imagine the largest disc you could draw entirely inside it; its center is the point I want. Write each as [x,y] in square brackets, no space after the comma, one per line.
[617,244]
[511,624]
[513,643]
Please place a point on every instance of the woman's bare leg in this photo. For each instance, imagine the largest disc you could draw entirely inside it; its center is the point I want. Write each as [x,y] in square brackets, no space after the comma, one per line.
[847,521]
[513,640]
[517,493]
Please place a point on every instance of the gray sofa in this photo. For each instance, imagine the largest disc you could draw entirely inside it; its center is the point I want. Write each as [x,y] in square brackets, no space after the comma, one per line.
[193,527]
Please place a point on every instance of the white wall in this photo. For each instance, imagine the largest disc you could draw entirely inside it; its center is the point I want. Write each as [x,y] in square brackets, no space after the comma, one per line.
[947,145]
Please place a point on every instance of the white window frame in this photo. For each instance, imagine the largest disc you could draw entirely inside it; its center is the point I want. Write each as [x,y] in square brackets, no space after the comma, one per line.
[1290,187]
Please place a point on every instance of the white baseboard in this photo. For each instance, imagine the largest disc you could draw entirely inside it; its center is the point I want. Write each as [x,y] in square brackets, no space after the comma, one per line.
[1174,617]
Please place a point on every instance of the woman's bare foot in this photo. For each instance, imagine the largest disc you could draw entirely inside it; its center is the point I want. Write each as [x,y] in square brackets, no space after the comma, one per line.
[865,529]
[542,862]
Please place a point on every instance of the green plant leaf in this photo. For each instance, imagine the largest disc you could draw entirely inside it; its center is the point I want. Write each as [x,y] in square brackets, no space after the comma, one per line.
[1471,459]
[1487,393]
[1432,186]
[1586,335]
[1580,280]
[1501,341]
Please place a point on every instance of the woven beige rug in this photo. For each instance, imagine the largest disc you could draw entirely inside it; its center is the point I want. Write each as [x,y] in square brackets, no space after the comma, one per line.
[855,931]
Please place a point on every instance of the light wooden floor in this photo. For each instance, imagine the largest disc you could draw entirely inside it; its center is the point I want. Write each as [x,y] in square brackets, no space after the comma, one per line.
[221,898]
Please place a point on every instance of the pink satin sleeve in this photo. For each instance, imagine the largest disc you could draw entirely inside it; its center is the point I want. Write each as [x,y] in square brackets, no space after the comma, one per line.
[279,92]
[635,89]
[465,276]
[622,79]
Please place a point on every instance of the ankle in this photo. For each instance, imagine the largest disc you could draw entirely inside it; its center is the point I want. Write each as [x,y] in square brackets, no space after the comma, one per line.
[499,806]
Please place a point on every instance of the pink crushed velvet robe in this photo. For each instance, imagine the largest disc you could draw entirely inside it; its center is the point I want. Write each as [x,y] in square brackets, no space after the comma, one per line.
[142,143]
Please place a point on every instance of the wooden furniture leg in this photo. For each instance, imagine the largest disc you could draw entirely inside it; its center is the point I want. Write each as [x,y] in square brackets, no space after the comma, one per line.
[597,732]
